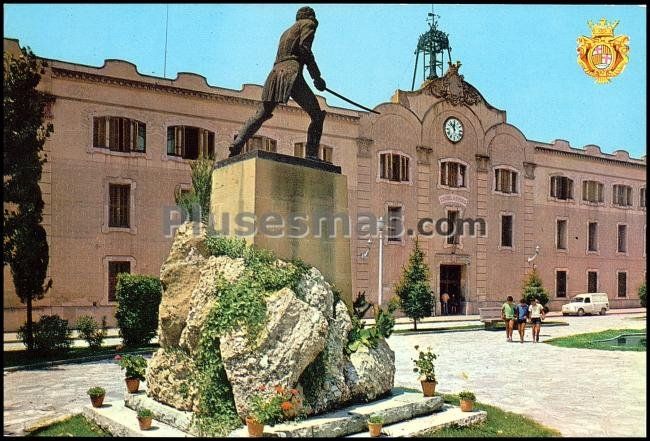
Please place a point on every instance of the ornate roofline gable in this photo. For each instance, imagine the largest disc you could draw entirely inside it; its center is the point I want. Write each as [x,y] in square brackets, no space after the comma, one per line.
[453,88]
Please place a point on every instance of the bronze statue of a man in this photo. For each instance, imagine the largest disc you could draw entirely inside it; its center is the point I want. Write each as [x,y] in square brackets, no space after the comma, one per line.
[286,80]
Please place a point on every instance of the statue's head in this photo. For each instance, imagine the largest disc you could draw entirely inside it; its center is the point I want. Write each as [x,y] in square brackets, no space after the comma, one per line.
[305,12]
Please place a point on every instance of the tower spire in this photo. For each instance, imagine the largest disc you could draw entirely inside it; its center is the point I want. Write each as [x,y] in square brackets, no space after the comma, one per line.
[432,45]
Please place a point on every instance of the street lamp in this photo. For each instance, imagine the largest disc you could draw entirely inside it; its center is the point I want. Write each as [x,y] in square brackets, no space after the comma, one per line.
[380,230]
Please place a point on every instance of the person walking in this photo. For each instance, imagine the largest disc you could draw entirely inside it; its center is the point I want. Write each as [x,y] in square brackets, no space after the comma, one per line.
[508,316]
[537,314]
[521,314]
[286,80]
[444,301]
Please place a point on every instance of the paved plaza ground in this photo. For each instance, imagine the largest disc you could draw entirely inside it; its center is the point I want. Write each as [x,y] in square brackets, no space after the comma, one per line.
[580,392]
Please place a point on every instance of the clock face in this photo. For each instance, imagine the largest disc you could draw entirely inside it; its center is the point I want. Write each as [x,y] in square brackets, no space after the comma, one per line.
[454,130]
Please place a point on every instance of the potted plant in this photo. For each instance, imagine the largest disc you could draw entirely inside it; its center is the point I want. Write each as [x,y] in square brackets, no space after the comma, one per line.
[291,404]
[135,366]
[145,416]
[424,367]
[467,400]
[375,422]
[266,407]
[97,395]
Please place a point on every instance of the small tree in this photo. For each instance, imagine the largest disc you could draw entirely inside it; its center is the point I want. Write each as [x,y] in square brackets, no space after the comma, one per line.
[642,294]
[24,238]
[199,196]
[533,288]
[413,289]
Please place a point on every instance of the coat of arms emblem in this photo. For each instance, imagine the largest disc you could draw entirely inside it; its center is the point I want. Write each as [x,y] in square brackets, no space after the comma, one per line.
[603,56]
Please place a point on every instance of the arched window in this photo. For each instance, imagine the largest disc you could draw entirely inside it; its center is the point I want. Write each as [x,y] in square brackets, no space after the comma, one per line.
[505,180]
[119,134]
[394,167]
[189,142]
[453,174]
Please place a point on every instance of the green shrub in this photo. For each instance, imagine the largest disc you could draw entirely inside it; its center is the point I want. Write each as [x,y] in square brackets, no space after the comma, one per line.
[533,288]
[226,246]
[642,295]
[467,395]
[424,364]
[138,298]
[376,419]
[51,334]
[96,391]
[90,331]
[135,365]
[413,288]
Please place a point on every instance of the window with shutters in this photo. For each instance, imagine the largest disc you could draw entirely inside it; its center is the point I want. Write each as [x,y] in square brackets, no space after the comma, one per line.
[561,234]
[259,142]
[119,134]
[622,239]
[561,187]
[394,167]
[560,283]
[453,174]
[506,230]
[119,205]
[505,181]
[189,142]
[592,281]
[592,191]
[621,277]
[116,267]
[325,153]
[622,195]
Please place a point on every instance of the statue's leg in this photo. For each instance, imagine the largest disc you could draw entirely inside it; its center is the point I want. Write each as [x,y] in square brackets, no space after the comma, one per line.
[265,112]
[307,100]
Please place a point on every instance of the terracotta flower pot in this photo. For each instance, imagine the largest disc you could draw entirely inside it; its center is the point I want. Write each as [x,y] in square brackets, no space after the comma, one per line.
[97,401]
[428,388]
[132,384]
[255,429]
[145,423]
[466,405]
[374,429]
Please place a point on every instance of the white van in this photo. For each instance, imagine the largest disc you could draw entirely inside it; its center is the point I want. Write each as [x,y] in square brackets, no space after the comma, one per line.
[589,303]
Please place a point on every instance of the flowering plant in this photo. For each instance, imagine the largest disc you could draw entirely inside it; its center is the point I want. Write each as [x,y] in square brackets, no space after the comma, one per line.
[135,365]
[424,365]
[270,406]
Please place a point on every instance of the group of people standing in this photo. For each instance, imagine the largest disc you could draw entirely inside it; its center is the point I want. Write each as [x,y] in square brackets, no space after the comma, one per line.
[521,314]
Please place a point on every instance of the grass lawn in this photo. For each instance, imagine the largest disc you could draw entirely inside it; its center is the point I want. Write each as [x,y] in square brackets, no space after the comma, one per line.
[78,425]
[587,341]
[21,358]
[498,423]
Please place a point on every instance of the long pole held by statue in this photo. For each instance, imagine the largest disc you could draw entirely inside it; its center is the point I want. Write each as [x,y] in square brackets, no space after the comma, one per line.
[350,101]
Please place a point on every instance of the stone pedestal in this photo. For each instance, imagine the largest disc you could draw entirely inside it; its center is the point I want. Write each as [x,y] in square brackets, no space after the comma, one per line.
[296,207]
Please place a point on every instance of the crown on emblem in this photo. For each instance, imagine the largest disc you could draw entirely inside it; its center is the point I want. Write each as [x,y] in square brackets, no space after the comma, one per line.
[603,28]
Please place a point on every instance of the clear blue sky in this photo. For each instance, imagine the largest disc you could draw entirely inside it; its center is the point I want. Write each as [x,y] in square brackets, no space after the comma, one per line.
[521,58]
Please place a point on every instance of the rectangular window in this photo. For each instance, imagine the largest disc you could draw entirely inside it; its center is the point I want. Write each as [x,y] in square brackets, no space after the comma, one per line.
[299,150]
[505,181]
[261,143]
[593,236]
[622,239]
[642,197]
[592,281]
[119,204]
[394,167]
[622,284]
[506,230]
[115,268]
[452,221]
[190,142]
[560,283]
[561,187]
[592,191]
[561,234]
[394,224]
[452,174]
[622,195]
